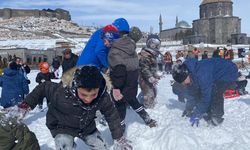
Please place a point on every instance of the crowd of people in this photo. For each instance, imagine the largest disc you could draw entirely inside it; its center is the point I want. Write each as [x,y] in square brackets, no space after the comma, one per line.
[105,78]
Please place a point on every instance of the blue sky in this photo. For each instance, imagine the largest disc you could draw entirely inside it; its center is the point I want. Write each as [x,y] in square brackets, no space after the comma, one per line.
[141,13]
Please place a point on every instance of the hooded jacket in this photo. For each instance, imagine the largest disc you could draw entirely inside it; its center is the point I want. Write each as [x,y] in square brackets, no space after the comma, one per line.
[123,52]
[67,114]
[124,62]
[95,52]
[205,73]
[14,87]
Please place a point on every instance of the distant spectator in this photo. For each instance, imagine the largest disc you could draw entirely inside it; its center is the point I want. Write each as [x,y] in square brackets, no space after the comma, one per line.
[204,55]
[69,60]
[168,62]
[179,54]
[14,86]
[22,67]
[196,52]
[56,64]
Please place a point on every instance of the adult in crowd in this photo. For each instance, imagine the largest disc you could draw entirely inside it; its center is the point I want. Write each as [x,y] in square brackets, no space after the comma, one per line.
[69,60]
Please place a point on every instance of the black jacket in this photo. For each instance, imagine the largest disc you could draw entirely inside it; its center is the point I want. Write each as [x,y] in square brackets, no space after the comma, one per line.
[69,63]
[67,114]
[41,77]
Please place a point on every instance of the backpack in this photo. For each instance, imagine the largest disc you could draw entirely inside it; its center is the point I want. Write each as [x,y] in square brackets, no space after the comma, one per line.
[16,136]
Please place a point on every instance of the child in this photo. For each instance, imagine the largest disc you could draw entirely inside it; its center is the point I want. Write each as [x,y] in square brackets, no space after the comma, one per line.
[14,86]
[72,106]
[149,77]
[44,75]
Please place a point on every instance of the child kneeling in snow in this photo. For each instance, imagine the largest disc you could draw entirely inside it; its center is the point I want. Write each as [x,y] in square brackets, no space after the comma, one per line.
[72,106]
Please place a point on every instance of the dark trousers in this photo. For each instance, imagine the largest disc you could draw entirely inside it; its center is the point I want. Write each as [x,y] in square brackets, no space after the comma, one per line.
[217,103]
[129,92]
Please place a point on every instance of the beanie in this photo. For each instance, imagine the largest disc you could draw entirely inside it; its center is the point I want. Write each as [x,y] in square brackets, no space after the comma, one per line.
[135,34]
[88,77]
[180,72]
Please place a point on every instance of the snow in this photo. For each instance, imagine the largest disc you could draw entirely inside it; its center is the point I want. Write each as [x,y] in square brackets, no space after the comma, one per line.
[173,131]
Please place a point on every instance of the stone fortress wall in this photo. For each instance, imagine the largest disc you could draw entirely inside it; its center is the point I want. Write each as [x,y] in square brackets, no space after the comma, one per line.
[7,13]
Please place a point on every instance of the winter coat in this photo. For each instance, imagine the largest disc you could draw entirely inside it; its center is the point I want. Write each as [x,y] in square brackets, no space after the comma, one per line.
[69,63]
[14,87]
[95,52]
[41,77]
[124,63]
[147,64]
[67,114]
[205,73]
[16,136]
[123,52]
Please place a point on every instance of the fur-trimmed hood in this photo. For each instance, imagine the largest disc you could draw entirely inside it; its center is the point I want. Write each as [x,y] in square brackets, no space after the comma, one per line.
[68,76]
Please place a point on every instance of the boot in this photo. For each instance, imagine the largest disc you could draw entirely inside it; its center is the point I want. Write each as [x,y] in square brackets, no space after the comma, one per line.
[217,120]
[146,118]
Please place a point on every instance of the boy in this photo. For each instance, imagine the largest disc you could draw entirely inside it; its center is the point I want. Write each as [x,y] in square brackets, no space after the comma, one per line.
[72,106]
[206,81]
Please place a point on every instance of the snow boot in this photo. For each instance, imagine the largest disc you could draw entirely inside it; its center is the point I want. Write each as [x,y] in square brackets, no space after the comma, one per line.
[146,118]
[217,120]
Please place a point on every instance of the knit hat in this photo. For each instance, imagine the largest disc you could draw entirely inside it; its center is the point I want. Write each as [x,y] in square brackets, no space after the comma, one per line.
[180,72]
[135,34]
[110,32]
[88,77]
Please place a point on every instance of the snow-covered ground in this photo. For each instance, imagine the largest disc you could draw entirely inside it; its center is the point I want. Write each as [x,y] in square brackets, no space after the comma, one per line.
[173,131]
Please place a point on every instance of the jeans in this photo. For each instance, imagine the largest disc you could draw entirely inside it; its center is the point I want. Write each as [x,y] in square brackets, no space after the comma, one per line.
[94,141]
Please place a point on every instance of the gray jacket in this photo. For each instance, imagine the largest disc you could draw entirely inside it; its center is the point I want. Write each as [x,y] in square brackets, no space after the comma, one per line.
[123,52]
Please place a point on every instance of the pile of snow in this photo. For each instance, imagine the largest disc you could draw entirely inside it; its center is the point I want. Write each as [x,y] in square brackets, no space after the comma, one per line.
[173,131]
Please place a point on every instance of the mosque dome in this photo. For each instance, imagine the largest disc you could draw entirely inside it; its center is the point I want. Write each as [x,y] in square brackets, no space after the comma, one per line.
[214,1]
[183,24]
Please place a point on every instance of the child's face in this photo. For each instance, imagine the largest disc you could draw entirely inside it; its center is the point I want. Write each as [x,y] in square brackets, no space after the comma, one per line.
[107,43]
[87,96]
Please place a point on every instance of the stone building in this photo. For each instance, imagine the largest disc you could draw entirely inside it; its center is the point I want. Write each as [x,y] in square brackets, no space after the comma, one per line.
[217,25]
[8,13]
[30,56]
[181,30]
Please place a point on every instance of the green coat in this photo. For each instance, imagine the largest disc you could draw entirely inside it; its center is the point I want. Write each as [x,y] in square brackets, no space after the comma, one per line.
[16,136]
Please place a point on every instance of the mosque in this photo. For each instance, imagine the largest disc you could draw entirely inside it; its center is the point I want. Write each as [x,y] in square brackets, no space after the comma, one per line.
[216,25]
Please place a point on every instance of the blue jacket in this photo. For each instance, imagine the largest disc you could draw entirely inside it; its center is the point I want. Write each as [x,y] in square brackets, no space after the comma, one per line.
[95,52]
[205,72]
[14,87]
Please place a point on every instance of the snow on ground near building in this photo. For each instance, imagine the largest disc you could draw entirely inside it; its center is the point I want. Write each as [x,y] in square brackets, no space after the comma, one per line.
[173,131]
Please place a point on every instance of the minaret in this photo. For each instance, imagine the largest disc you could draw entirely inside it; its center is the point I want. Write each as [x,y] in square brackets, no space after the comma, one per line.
[160,24]
[176,21]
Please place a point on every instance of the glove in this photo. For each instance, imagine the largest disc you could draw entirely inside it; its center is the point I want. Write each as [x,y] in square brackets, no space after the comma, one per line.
[153,80]
[152,123]
[194,120]
[117,94]
[42,80]
[122,144]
